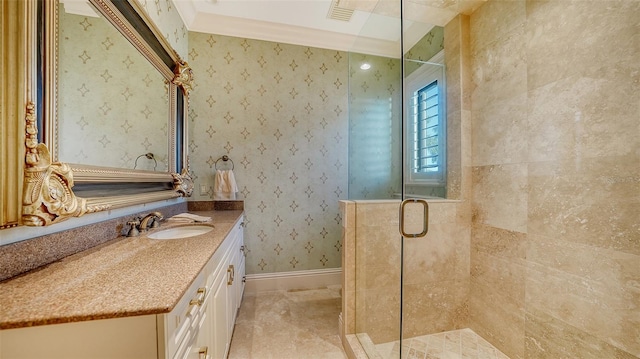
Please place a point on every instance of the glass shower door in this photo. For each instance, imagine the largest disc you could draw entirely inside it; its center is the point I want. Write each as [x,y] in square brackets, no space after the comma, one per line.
[375,179]
[382,156]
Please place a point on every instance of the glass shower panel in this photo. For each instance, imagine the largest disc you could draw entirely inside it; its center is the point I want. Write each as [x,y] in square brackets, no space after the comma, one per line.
[375,178]
[425,111]
[380,170]
[375,127]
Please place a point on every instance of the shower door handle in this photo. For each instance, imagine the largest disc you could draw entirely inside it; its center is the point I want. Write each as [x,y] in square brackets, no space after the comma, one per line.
[425,217]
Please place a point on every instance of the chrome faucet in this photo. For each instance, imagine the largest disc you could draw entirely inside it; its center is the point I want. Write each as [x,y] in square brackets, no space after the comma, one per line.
[151,220]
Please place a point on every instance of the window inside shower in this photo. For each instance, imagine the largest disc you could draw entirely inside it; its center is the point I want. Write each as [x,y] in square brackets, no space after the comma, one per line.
[426,125]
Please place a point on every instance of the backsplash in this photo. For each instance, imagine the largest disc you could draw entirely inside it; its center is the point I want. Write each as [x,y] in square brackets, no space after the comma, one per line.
[20,257]
[280,113]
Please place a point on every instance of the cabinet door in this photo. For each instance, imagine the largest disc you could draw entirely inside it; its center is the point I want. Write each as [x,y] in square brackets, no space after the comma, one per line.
[218,310]
[240,285]
[122,338]
[231,297]
[196,348]
[204,341]
[237,260]
[240,271]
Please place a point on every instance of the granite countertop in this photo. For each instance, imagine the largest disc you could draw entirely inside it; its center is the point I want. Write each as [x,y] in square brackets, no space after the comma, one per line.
[124,277]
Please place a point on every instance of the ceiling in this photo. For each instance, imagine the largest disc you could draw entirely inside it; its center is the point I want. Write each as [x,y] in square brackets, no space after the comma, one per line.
[373,26]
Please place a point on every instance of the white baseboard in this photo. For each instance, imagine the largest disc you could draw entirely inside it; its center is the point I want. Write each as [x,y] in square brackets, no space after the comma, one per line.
[308,279]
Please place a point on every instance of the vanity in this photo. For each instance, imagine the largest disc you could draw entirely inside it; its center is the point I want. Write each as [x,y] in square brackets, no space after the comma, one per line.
[133,297]
[167,297]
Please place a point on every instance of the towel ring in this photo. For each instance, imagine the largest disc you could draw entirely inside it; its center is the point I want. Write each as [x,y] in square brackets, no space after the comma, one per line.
[224,158]
[149,156]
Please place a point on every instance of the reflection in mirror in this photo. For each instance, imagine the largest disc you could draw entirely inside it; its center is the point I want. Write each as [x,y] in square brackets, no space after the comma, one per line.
[113,105]
[424,50]
[55,190]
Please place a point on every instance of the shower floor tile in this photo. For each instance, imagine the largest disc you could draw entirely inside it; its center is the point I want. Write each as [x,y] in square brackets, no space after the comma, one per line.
[456,344]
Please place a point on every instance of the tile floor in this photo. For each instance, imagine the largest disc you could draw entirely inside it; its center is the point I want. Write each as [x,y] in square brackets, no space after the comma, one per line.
[455,344]
[304,325]
[288,325]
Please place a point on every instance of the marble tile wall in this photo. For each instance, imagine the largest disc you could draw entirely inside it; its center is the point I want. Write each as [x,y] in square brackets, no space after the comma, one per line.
[436,271]
[458,68]
[555,242]
[377,272]
[280,112]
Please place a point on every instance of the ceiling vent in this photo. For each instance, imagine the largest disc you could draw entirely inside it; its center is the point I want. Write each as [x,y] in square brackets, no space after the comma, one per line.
[339,13]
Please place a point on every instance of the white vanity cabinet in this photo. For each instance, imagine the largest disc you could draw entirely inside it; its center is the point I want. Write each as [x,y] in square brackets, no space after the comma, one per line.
[227,293]
[198,327]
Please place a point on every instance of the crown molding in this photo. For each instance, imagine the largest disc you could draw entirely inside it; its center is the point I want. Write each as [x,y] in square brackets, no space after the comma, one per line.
[296,35]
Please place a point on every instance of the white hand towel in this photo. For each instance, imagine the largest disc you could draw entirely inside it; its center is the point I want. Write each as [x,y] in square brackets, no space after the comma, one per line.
[231,182]
[225,186]
[220,184]
[186,217]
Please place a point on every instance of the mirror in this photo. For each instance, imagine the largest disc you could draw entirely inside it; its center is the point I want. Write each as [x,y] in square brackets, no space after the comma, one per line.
[54,191]
[110,98]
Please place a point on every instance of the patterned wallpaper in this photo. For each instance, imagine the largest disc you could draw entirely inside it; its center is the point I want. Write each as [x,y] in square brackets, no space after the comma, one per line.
[165,15]
[112,104]
[281,114]
[425,49]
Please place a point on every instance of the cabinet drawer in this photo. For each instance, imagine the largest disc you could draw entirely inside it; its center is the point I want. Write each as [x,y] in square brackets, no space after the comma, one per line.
[202,318]
[184,319]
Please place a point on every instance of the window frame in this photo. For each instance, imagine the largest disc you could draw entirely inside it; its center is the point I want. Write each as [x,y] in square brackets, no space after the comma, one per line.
[416,81]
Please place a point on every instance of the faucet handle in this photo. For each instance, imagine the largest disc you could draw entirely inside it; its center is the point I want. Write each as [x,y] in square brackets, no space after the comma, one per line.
[133,231]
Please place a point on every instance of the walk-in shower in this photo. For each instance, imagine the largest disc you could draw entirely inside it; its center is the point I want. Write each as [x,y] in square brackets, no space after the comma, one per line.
[533,246]
[403,128]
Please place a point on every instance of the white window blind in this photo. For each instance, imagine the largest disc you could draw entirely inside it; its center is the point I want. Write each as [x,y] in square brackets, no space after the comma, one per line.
[426,126]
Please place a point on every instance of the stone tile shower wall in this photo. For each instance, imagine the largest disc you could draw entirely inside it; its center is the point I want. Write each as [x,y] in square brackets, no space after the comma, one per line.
[556,165]
[280,113]
[436,271]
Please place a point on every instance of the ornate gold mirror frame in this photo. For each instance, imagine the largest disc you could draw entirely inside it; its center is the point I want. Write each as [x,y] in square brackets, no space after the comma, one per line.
[55,191]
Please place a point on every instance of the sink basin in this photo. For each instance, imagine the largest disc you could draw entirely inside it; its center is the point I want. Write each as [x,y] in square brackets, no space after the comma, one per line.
[181,232]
